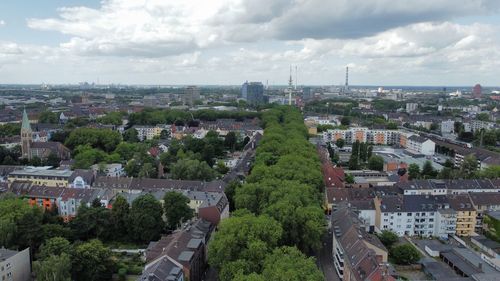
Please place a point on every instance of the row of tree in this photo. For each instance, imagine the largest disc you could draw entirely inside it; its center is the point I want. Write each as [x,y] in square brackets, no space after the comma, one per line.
[151,116]
[278,209]
[74,251]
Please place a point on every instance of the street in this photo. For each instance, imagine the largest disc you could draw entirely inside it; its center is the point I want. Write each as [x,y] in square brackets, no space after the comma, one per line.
[325,259]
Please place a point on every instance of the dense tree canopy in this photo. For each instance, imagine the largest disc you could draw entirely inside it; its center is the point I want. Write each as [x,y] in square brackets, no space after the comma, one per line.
[283,192]
[103,139]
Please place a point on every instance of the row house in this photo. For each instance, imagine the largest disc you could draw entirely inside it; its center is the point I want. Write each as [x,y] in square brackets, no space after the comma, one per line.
[179,256]
[357,254]
[443,187]
[211,206]
[484,203]
[67,200]
[466,214]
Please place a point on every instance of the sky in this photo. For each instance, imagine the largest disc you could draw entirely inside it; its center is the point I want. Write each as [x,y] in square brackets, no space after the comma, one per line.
[227,42]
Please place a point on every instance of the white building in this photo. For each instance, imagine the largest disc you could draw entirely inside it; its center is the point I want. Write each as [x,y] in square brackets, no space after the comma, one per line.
[447,127]
[420,145]
[109,170]
[411,107]
[446,222]
[14,265]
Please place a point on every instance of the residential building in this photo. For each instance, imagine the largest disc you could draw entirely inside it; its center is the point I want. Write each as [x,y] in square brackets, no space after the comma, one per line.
[185,249]
[420,145]
[109,170]
[145,132]
[477,125]
[411,107]
[447,127]
[357,254]
[410,215]
[443,187]
[483,203]
[446,223]
[466,214]
[253,92]
[14,265]
[163,269]
[41,176]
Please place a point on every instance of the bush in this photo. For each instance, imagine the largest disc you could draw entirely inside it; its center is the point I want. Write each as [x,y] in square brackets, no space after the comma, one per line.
[405,254]
[388,238]
[122,274]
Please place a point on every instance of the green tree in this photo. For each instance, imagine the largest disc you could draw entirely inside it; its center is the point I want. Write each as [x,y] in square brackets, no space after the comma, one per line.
[91,222]
[405,254]
[51,230]
[48,117]
[353,163]
[92,261]
[103,139]
[345,121]
[146,222]
[469,166]
[131,135]
[392,126]
[413,171]
[388,238]
[363,151]
[176,208]
[230,141]
[428,171]
[54,247]
[369,151]
[243,238]
[491,172]
[190,169]
[289,264]
[340,143]
[349,179]
[53,268]
[483,117]
[20,224]
[376,162]
[120,218]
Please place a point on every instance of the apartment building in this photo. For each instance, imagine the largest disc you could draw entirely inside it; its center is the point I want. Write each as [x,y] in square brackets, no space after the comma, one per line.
[443,187]
[357,254]
[41,176]
[362,134]
[410,215]
[420,145]
[149,132]
[466,214]
[15,265]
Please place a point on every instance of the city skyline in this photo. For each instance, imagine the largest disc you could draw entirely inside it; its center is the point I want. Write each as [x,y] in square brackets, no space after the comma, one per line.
[179,42]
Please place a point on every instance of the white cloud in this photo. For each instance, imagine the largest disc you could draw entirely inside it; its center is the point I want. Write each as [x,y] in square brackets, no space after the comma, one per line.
[2,23]
[228,41]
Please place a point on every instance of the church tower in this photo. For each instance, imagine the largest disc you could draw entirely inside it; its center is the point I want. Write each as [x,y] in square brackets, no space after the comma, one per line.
[26,136]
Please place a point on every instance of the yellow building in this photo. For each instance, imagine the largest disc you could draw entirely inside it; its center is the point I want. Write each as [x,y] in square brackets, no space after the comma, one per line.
[41,176]
[466,214]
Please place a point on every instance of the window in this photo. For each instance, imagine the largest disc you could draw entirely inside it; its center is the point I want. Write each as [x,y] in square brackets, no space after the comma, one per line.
[399,214]
[408,214]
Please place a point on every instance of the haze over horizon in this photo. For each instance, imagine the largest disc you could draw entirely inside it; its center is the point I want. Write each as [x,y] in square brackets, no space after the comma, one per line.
[225,42]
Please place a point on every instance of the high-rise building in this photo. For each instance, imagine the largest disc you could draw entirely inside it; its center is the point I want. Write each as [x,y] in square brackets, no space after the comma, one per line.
[477,91]
[191,94]
[253,92]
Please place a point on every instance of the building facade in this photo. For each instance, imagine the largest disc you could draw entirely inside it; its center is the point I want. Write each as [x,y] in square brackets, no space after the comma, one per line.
[253,92]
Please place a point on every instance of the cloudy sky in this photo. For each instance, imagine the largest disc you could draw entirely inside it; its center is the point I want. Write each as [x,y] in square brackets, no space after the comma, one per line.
[384,42]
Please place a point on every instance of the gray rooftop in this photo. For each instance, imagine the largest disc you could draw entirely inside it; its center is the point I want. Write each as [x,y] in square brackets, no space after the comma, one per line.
[6,253]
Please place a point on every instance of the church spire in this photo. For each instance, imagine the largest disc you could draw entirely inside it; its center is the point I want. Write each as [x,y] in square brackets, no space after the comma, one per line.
[26,121]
